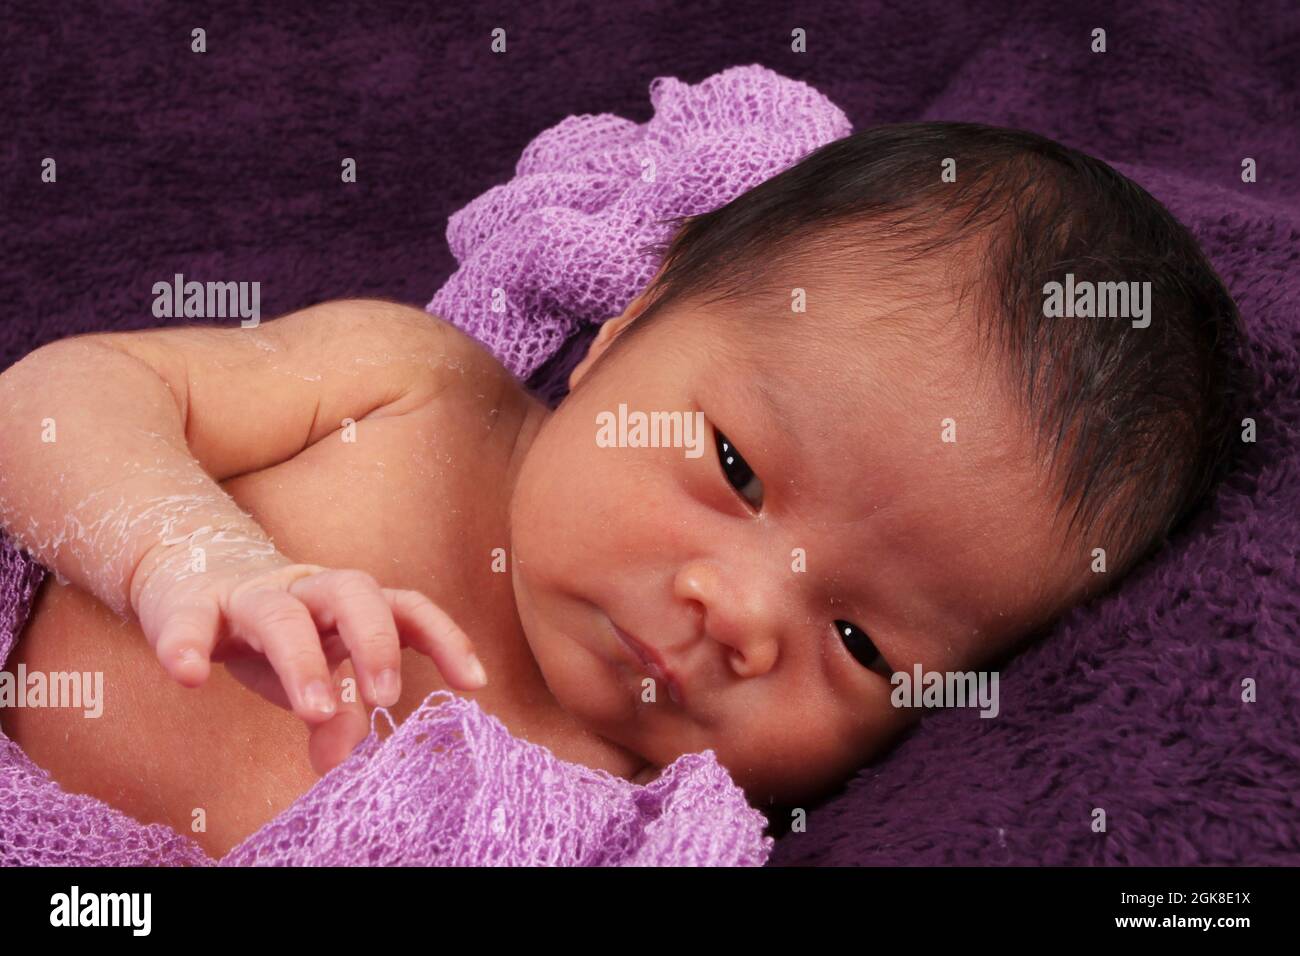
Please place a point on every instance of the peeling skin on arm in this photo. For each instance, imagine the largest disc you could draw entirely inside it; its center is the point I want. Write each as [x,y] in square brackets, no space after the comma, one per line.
[93,489]
[173,559]
[110,534]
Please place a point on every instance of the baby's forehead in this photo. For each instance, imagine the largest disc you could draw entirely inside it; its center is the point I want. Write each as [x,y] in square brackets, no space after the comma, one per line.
[825,312]
[898,375]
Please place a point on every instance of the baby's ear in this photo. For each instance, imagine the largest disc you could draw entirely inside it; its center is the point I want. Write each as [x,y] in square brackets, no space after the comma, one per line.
[608,332]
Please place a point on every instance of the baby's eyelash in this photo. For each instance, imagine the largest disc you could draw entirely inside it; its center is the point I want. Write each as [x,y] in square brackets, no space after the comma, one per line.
[862,648]
[737,471]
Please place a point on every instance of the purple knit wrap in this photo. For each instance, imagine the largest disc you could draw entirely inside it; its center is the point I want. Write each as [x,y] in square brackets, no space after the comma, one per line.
[560,245]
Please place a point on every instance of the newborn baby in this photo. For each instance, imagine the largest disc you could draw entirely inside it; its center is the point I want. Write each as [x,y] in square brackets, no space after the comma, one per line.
[913,458]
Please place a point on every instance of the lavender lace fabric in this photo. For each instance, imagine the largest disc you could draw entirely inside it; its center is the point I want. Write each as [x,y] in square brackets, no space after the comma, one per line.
[450,786]
[560,245]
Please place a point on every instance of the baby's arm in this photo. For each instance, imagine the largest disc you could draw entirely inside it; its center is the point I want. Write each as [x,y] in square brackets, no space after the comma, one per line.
[111,447]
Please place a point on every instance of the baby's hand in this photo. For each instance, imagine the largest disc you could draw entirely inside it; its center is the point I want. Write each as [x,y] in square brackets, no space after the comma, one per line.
[282,627]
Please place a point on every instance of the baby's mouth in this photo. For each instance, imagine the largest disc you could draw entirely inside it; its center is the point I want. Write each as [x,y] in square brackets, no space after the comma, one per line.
[649,659]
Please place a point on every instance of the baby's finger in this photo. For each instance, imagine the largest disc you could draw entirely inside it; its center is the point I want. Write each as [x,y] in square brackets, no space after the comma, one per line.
[332,742]
[278,625]
[427,628]
[185,641]
[351,603]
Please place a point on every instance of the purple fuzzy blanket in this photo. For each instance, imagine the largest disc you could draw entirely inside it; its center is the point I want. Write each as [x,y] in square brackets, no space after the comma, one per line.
[226,165]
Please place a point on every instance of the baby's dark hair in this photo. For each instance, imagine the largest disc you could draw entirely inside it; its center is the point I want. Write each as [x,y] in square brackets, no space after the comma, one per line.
[1135,424]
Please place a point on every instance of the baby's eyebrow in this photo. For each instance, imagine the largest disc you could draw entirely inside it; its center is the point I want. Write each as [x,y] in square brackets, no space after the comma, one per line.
[758,393]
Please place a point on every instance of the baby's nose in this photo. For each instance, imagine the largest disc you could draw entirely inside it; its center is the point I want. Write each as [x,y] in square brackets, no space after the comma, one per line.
[737,609]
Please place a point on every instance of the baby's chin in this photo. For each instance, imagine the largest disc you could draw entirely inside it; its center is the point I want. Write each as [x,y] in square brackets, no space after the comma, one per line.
[599,697]
[767,784]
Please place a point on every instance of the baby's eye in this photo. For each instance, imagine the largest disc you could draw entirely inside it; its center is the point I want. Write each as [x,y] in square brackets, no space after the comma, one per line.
[860,646]
[738,472]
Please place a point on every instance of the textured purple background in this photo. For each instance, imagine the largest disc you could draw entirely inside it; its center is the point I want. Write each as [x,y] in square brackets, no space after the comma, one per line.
[227,166]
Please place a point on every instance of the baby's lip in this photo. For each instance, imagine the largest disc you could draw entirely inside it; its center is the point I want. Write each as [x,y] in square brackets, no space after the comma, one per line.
[653,662]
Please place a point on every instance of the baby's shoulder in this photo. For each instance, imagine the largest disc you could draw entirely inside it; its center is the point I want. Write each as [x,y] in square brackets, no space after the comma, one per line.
[468,354]
[469,393]
[452,365]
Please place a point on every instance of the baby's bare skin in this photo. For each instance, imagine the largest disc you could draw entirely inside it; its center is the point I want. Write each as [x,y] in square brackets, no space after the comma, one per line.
[418,501]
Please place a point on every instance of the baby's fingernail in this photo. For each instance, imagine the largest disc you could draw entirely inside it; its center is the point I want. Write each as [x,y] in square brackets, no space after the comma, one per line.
[476,670]
[387,689]
[318,697]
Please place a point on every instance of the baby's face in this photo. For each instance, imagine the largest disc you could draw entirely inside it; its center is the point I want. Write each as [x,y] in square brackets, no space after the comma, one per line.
[839,504]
